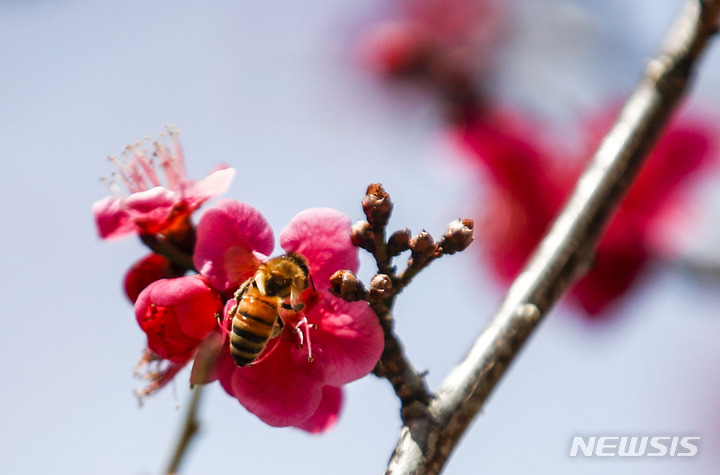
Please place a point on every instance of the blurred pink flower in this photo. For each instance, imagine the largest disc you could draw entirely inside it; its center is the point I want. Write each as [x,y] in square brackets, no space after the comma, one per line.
[283,388]
[149,207]
[530,180]
[443,42]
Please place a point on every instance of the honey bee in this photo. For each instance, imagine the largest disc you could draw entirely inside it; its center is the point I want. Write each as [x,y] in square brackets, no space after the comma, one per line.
[277,284]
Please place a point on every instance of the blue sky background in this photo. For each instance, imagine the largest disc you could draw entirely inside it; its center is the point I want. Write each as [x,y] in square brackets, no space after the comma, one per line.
[273,89]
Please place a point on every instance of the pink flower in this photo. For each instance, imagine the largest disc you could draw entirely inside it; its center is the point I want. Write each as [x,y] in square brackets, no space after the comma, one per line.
[177,315]
[283,387]
[151,207]
[530,181]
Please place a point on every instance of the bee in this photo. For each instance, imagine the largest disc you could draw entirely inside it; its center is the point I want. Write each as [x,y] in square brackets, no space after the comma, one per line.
[277,284]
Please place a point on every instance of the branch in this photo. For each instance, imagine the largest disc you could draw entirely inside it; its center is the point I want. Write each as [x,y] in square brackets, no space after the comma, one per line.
[205,360]
[566,252]
[188,432]
[409,385]
[169,250]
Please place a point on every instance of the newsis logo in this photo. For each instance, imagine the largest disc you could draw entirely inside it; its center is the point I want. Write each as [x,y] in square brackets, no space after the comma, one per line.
[634,446]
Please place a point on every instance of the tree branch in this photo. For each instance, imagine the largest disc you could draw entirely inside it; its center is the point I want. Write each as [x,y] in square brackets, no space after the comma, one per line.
[427,440]
[205,360]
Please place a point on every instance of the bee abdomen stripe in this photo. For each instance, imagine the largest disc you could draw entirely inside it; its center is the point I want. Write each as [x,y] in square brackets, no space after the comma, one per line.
[246,347]
[255,318]
[248,335]
[242,360]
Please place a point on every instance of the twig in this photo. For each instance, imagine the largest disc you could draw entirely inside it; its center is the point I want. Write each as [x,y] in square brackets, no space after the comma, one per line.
[566,252]
[189,429]
[205,360]
[409,385]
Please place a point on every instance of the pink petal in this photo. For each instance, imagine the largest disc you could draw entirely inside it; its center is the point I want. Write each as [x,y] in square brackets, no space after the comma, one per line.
[281,391]
[195,192]
[112,219]
[327,412]
[348,341]
[147,270]
[151,210]
[206,367]
[322,235]
[176,314]
[228,234]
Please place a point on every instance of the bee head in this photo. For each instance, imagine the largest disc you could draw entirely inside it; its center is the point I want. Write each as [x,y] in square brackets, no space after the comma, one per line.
[284,275]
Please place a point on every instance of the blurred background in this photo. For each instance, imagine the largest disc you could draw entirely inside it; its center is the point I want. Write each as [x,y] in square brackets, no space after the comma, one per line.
[288,95]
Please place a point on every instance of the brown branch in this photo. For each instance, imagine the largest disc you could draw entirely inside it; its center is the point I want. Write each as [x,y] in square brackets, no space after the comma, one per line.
[187,433]
[205,360]
[409,385]
[167,249]
[427,440]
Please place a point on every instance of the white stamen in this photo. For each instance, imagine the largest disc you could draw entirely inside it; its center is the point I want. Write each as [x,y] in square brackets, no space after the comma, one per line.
[299,334]
[306,330]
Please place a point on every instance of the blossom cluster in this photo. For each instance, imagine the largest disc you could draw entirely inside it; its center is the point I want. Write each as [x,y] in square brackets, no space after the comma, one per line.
[185,317]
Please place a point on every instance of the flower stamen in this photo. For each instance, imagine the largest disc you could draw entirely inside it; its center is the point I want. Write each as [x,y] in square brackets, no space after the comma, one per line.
[157,370]
[302,330]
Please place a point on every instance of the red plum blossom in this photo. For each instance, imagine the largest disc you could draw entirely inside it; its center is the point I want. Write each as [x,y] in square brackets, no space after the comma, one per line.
[284,387]
[148,206]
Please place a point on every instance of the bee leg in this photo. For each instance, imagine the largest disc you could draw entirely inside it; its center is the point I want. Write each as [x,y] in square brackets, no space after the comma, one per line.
[277,328]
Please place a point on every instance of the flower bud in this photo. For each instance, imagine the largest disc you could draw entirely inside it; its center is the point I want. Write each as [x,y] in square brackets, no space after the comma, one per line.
[147,270]
[399,241]
[361,235]
[423,247]
[458,236]
[345,284]
[381,287]
[377,206]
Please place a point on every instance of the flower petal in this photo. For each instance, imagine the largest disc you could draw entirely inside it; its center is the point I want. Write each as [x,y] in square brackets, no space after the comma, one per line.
[147,270]
[281,390]
[207,365]
[112,219]
[153,210]
[348,341]
[228,235]
[327,412]
[322,236]
[196,192]
[177,314]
